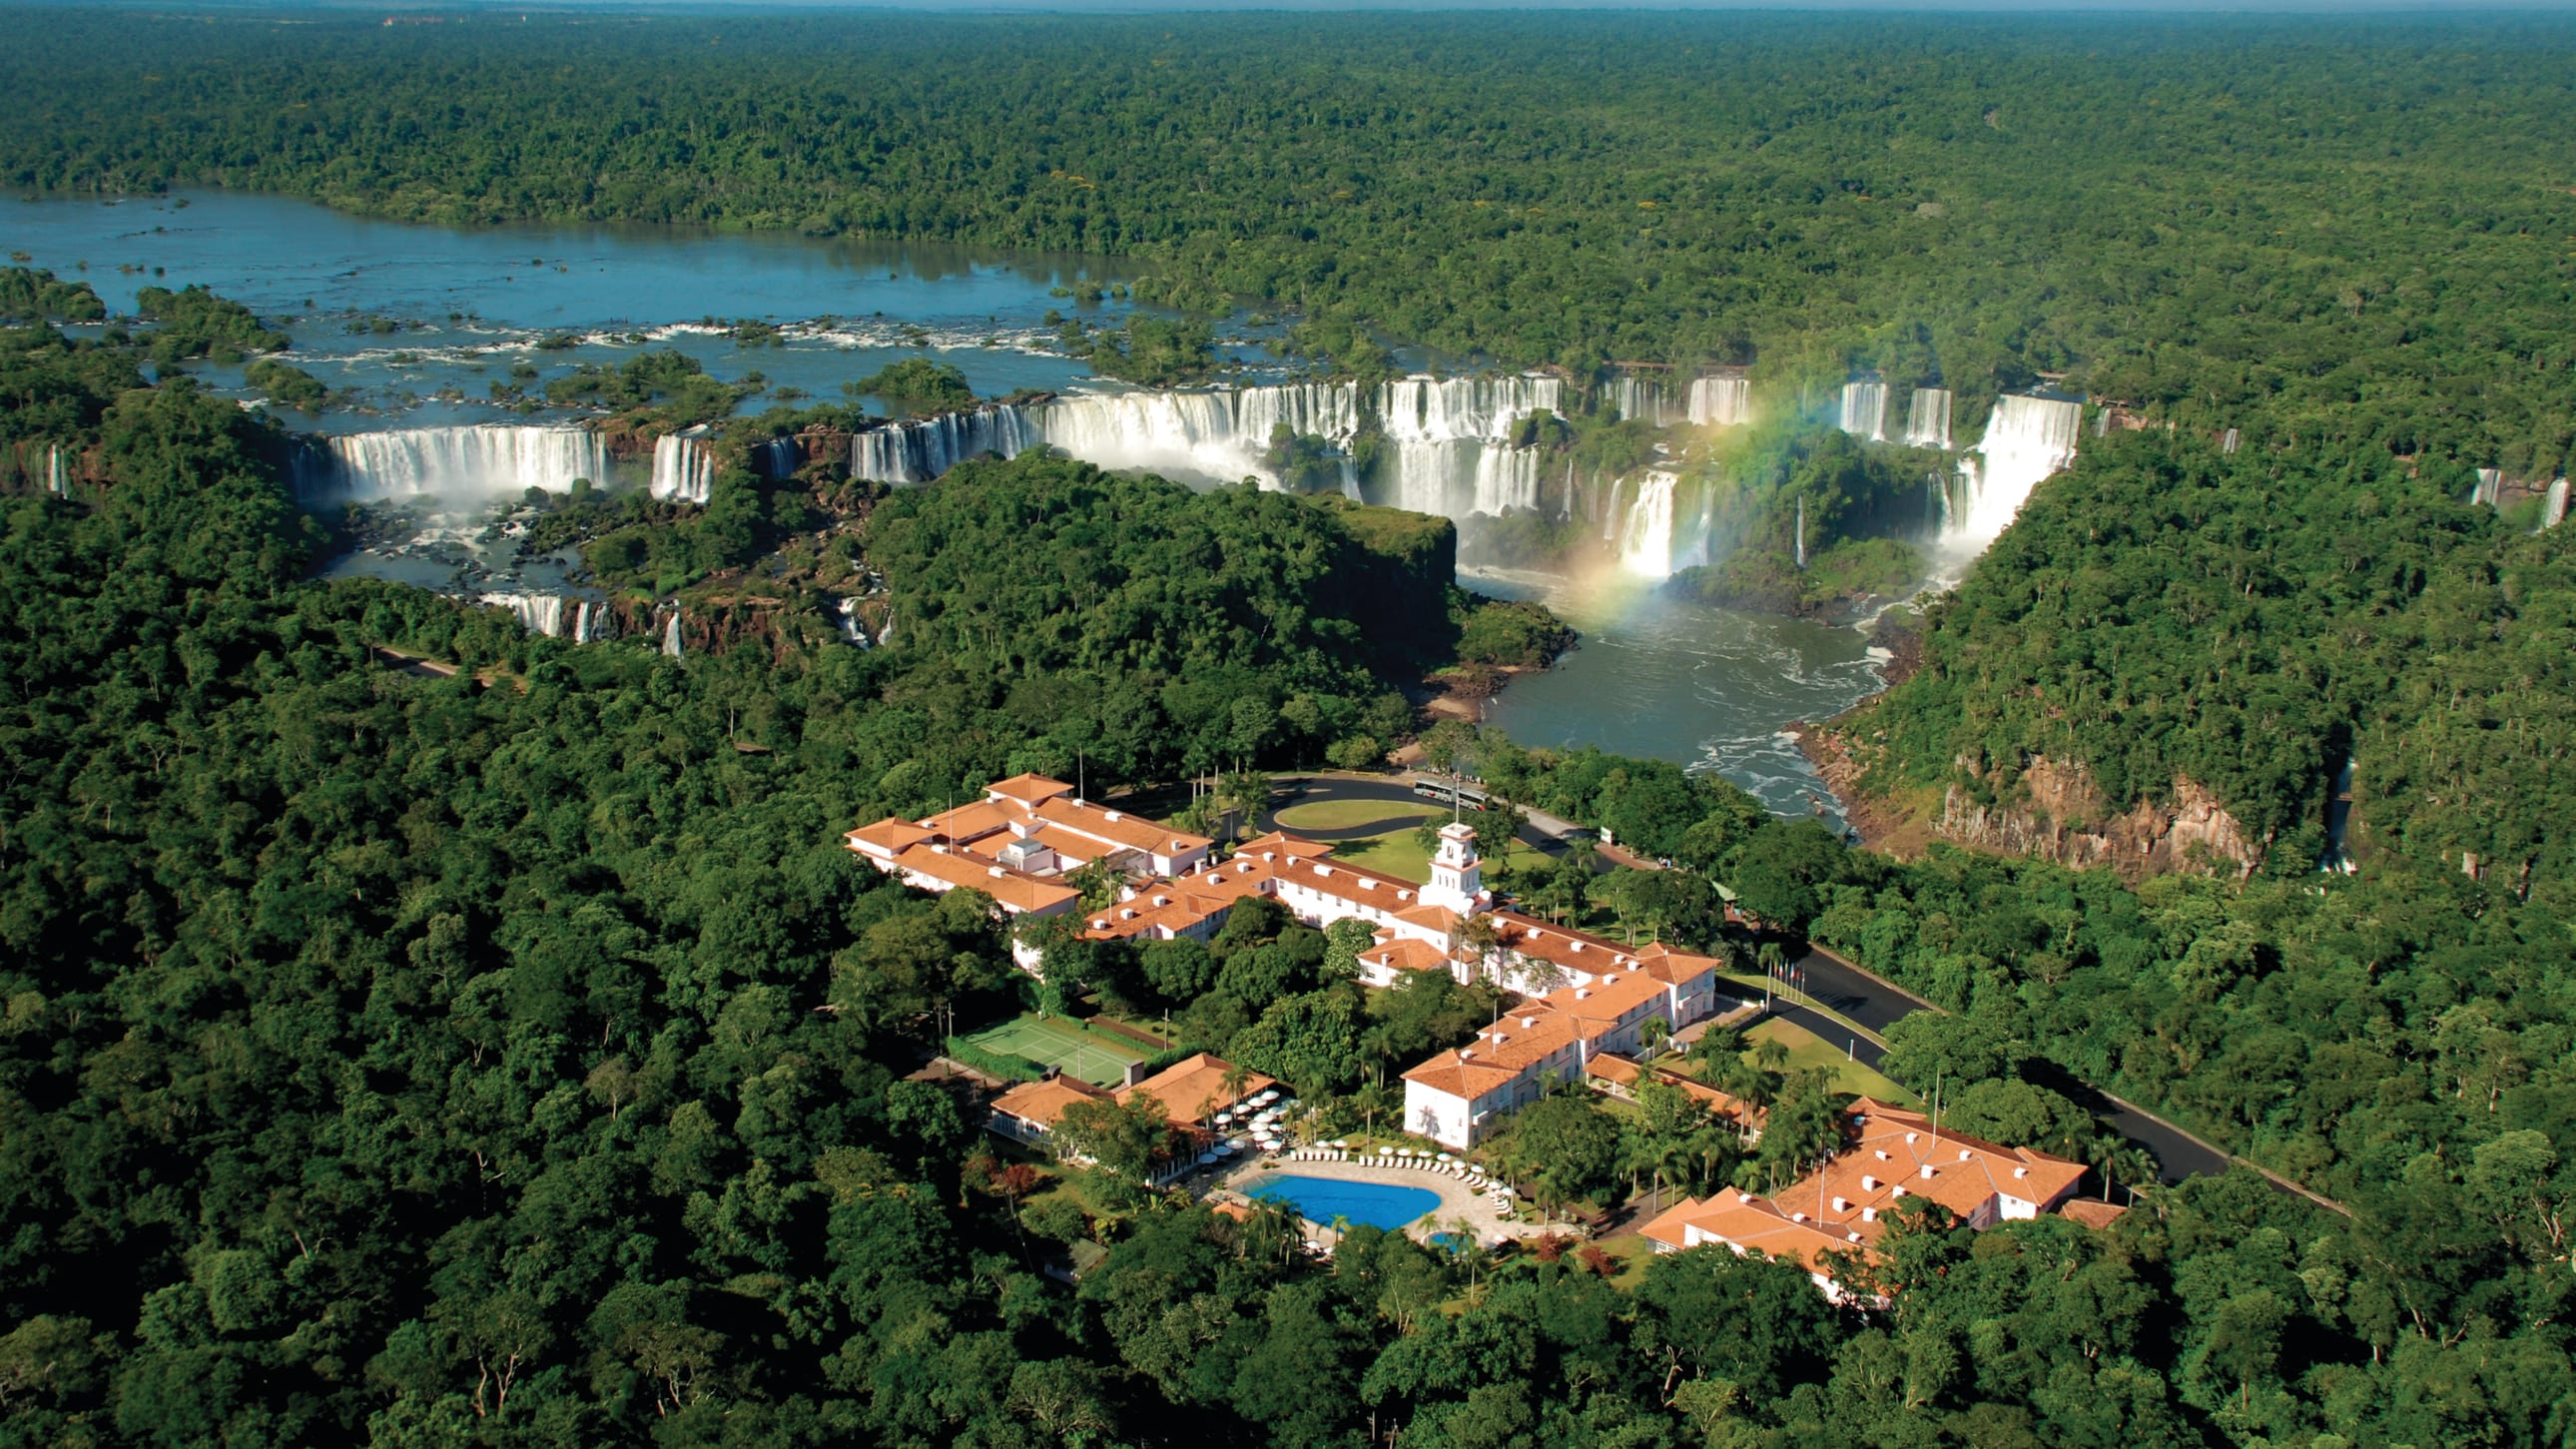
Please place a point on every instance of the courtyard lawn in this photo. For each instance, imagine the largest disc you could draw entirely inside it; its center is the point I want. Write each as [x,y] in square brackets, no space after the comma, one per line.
[1398,854]
[1344,814]
[1051,1041]
[1806,1049]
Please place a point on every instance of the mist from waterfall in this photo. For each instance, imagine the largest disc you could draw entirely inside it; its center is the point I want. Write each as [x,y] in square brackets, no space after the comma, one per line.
[1927,418]
[478,463]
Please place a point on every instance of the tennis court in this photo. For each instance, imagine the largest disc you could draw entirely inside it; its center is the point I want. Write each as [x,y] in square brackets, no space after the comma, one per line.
[1053,1042]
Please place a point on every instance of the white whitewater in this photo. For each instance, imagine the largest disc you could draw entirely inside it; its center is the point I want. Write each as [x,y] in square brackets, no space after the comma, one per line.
[1646,533]
[2490,489]
[918,451]
[1927,418]
[2553,505]
[1442,409]
[483,461]
[684,466]
[671,636]
[2027,439]
[1721,402]
[57,478]
[583,621]
[1864,412]
[1220,435]
[1801,543]
[1640,399]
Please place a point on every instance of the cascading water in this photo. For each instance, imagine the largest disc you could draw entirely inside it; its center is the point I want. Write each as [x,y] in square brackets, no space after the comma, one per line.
[1927,418]
[2553,505]
[1646,533]
[918,451]
[1864,412]
[2490,489]
[1640,399]
[483,461]
[1220,435]
[1721,402]
[671,635]
[1802,535]
[2027,439]
[684,466]
[1448,442]
[779,458]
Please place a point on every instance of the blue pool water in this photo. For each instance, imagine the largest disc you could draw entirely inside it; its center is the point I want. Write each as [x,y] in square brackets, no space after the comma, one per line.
[1322,1199]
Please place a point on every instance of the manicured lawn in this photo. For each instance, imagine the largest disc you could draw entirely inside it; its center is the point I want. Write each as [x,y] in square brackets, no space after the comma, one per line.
[1096,1057]
[1806,1049]
[1398,855]
[1343,814]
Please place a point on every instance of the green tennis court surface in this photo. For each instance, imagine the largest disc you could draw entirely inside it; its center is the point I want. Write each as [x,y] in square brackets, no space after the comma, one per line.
[1053,1042]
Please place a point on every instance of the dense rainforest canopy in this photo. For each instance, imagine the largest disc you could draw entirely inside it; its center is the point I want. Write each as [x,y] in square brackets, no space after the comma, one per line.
[2353,227]
[515,1056]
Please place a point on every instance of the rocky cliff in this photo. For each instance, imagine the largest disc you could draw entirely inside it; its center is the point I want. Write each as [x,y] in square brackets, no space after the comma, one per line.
[2051,810]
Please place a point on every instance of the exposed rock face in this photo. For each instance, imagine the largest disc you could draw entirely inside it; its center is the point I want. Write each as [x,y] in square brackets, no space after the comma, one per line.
[2057,813]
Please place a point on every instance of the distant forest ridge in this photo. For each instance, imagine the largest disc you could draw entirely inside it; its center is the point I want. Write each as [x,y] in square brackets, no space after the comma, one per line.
[2303,224]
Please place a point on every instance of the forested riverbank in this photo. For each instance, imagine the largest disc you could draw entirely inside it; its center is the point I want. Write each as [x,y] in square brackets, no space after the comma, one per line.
[515,1054]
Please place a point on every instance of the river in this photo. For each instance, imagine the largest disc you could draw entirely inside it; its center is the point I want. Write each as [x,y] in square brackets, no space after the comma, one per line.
[417,323]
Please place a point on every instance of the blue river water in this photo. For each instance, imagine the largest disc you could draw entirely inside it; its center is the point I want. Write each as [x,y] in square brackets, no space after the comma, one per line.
[418,325]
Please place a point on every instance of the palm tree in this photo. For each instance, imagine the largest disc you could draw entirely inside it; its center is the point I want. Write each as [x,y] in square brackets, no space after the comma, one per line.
[1652,1034]
[1373,1101]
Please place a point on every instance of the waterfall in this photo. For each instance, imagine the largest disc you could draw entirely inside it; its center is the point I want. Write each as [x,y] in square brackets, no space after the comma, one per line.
[851,628]
[593,622]
[2027,439]
[671,636]
[1865,410]
[780,458]
[684,466]
[1646,533]
[918,451]
[2553,506]
[1506,478]
[57,478]
[1444,408]
[1927,418]
[1641,399]
[2490,487]
[1721,402]
[2229,441]
[485,460]
[537,613]
[1220,435]
[1802,534]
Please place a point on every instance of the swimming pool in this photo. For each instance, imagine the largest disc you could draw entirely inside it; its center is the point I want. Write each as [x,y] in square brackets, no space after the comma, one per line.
[1321,1199]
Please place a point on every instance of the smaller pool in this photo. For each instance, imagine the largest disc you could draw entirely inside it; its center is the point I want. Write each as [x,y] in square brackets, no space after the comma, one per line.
[1320,1200]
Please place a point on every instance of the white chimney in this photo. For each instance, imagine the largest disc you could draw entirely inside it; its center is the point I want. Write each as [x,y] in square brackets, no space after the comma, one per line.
[1869,1215]
[1528,1021]
[1965,1154]
[1927,1171]
[1113,816]
[1842,1205]
[1868,1184]
[1582,993]
[1909,1136]
[2021,1172]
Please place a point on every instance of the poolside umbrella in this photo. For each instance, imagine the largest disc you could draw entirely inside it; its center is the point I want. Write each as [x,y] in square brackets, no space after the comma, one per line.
[1224,1117]
[1445,1157]
[1386,1152]
[1206,1157]
[1341,1143]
